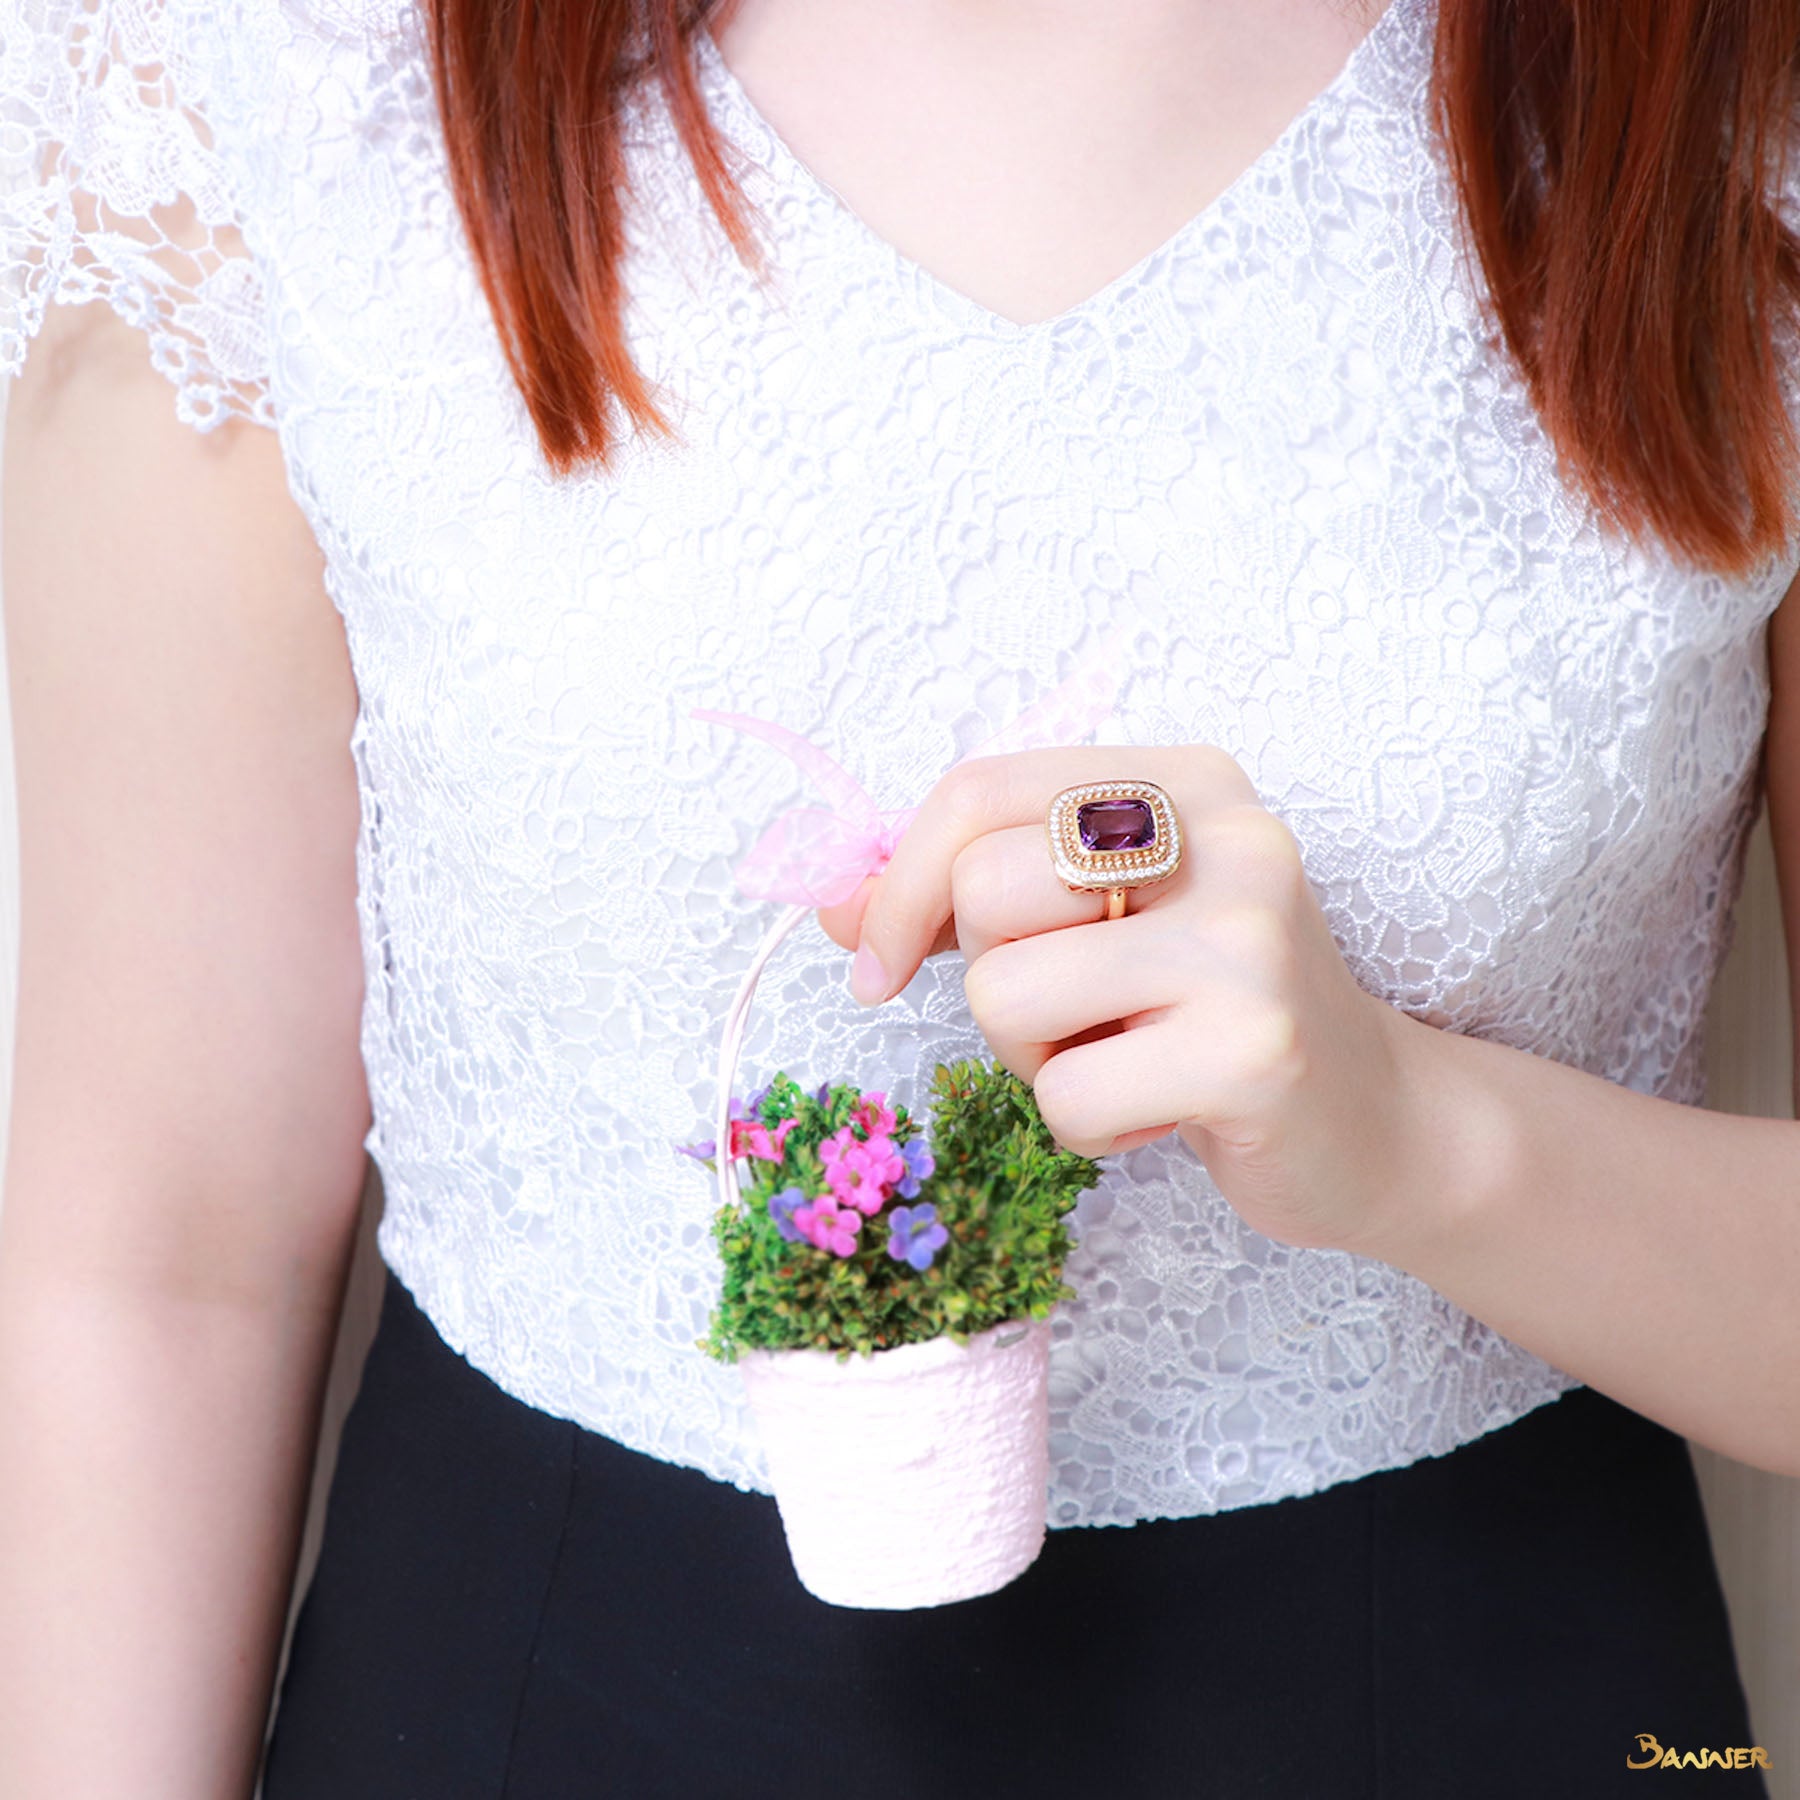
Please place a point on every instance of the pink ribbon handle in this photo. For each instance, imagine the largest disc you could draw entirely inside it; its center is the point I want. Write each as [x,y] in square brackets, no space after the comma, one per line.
[1071,709]
[817,856]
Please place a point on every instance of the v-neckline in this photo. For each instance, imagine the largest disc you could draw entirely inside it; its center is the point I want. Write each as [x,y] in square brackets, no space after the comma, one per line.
[790,172]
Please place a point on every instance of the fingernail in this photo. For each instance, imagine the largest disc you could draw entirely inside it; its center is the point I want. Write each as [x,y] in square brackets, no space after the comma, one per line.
[868,979]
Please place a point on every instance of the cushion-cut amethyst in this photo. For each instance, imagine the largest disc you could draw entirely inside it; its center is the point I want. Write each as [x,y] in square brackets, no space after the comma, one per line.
[1116,825]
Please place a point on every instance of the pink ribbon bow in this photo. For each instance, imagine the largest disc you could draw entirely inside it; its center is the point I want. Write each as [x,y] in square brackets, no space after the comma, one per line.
[816,856]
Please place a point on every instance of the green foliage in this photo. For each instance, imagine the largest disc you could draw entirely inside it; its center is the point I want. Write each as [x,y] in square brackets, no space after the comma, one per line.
[1002,1188]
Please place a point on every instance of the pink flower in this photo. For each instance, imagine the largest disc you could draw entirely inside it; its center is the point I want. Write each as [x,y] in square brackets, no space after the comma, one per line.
[874,1115]
[884,1163]
[841,1154]
[753,1138]
[861,1174]
[829,1226]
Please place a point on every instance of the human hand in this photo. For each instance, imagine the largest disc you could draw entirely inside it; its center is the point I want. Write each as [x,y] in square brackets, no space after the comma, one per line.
[1219,1007]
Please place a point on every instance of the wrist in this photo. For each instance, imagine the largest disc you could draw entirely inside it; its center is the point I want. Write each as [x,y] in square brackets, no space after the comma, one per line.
[1455,1145]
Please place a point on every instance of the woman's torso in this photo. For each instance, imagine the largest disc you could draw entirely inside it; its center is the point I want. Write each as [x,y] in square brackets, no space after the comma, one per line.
[1283,450]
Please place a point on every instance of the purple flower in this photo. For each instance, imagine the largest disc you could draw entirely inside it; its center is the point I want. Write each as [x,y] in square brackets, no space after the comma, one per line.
[919,1164]
[781,1210]
[823,1096]
[917,1235]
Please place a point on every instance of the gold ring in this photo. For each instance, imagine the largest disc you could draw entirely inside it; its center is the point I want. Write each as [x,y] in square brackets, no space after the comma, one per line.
[1112,836]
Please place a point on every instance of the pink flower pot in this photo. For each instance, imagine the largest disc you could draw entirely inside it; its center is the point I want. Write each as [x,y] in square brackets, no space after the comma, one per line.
[912,1477]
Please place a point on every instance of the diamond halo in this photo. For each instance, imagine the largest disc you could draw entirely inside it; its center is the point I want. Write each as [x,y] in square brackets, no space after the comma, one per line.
[1107,835]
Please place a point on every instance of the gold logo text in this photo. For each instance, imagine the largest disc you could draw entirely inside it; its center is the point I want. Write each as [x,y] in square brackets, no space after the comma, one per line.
[1656,1757]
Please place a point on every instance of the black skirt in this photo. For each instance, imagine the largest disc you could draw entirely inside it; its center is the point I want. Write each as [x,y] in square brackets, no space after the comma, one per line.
[509,1607]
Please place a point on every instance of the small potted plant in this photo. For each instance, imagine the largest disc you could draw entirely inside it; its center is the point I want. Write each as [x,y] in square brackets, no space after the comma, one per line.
[886,1297]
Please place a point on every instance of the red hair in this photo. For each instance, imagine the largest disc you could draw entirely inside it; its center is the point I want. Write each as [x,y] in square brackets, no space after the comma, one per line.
[1617,163]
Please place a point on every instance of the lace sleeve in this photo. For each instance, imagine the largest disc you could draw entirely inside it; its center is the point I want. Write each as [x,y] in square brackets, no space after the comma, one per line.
[112,188]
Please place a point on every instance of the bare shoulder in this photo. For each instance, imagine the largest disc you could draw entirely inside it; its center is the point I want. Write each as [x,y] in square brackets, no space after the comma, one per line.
[182,704]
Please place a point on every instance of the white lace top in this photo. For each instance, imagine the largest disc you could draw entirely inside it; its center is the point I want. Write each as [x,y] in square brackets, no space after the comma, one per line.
[1517,754]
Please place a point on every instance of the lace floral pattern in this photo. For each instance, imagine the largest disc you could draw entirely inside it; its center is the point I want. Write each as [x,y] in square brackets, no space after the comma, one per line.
[116,193]
[1518,756]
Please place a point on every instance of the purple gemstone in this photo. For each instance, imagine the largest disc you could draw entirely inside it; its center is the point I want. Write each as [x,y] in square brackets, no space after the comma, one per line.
[1116,825]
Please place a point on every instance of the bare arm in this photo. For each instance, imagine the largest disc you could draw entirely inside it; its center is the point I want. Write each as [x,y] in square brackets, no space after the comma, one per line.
[189,1101]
